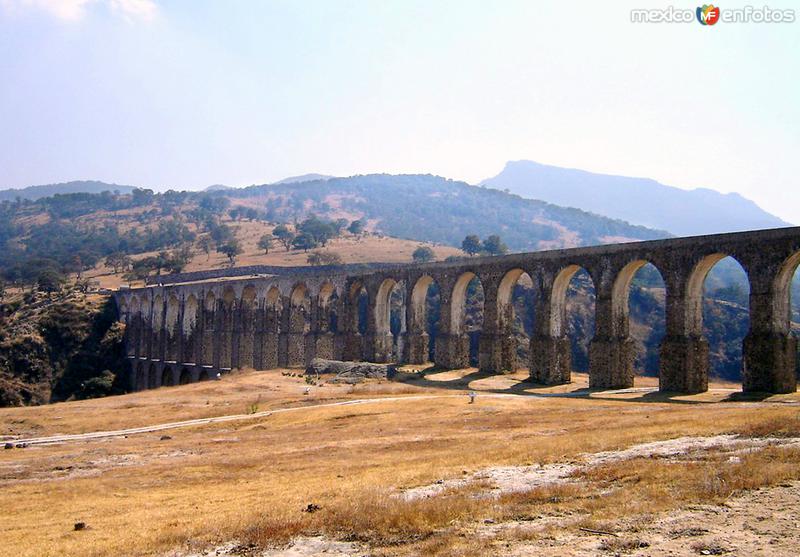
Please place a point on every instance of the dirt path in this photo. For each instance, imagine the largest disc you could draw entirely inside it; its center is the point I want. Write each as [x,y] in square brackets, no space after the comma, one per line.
[53,439]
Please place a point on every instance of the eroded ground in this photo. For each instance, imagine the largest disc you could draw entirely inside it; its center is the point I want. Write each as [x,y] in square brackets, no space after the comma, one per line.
[524,470]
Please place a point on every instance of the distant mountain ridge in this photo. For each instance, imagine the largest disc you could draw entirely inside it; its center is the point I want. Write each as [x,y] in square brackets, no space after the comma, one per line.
[432,208]
[303,178]
[80,186]
[636,200]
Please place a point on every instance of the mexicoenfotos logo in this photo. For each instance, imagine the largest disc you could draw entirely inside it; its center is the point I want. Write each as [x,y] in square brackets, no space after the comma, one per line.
[707,14]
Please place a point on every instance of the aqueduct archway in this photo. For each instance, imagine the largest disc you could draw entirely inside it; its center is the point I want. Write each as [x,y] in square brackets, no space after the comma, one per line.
[278,317]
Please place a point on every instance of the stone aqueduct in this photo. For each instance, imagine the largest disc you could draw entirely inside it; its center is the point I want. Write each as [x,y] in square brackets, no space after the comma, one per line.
[198,327]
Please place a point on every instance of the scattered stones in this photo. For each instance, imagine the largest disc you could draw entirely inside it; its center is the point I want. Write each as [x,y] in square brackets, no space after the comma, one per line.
[8,446]
[350,372]
[79,526]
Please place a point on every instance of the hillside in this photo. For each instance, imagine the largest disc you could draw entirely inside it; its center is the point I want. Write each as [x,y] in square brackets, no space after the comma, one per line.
[33,193]
[431,208]
[637,200]
[59,248]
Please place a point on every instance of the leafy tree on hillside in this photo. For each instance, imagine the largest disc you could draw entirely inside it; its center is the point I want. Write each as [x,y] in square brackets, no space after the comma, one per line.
[206,244]
[423,254]
[356,228]
[318,258]
[493,245]
[319,230]
[284,235]
[304,241]
[118,261]
[471,245]
[231,249]
[50,280]
[265,242]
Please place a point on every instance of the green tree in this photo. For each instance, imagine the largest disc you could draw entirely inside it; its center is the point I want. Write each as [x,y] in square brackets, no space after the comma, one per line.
[304,241]
[284,235]
[50,280]
[231,249]
[471,245]
[318,258]
[118,261]
[265,242]
[206,244]
[356,228]
[423,254]
[493,245]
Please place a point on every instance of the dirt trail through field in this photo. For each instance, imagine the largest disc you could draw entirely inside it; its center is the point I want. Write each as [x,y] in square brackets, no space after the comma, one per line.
[53,439]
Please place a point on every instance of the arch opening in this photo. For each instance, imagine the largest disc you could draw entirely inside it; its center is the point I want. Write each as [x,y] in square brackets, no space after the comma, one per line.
[466,318]
[639,312]
[424,320]
[718,298]
[573,312]
[515,313]
[328,309]
[390,319]
[185,377]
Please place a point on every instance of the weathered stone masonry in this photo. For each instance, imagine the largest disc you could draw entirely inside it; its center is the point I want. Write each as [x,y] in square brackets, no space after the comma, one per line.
[189,331]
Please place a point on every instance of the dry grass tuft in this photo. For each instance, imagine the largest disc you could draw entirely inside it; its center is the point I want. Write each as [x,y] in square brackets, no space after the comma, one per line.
[773,426]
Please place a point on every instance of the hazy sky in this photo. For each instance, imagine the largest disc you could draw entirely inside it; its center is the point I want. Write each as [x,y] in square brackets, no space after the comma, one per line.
[191,93]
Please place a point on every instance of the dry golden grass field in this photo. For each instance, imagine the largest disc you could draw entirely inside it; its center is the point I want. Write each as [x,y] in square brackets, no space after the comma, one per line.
[244,486]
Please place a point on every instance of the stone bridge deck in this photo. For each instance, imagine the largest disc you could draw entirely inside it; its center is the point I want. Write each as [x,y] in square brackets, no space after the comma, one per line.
[196,325]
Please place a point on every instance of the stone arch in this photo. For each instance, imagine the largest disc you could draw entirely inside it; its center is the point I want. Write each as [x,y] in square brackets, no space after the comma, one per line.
[328,311]
[467,291]
[422,320]
[706,322]
[646,358]
[189,315]
[206,351]
[514,350]
[171,328]
[558,325]
[158,313]
[389,320]
[300,305]
[782,301]
[204,375]
[273,349]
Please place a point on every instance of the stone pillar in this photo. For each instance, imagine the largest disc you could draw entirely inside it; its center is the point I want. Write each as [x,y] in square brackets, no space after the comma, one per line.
[417,344]
[246,335]
[491,341]
[683,351]
[769,350]
[207,336]
[551,359]
[611,352]
[224,335]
